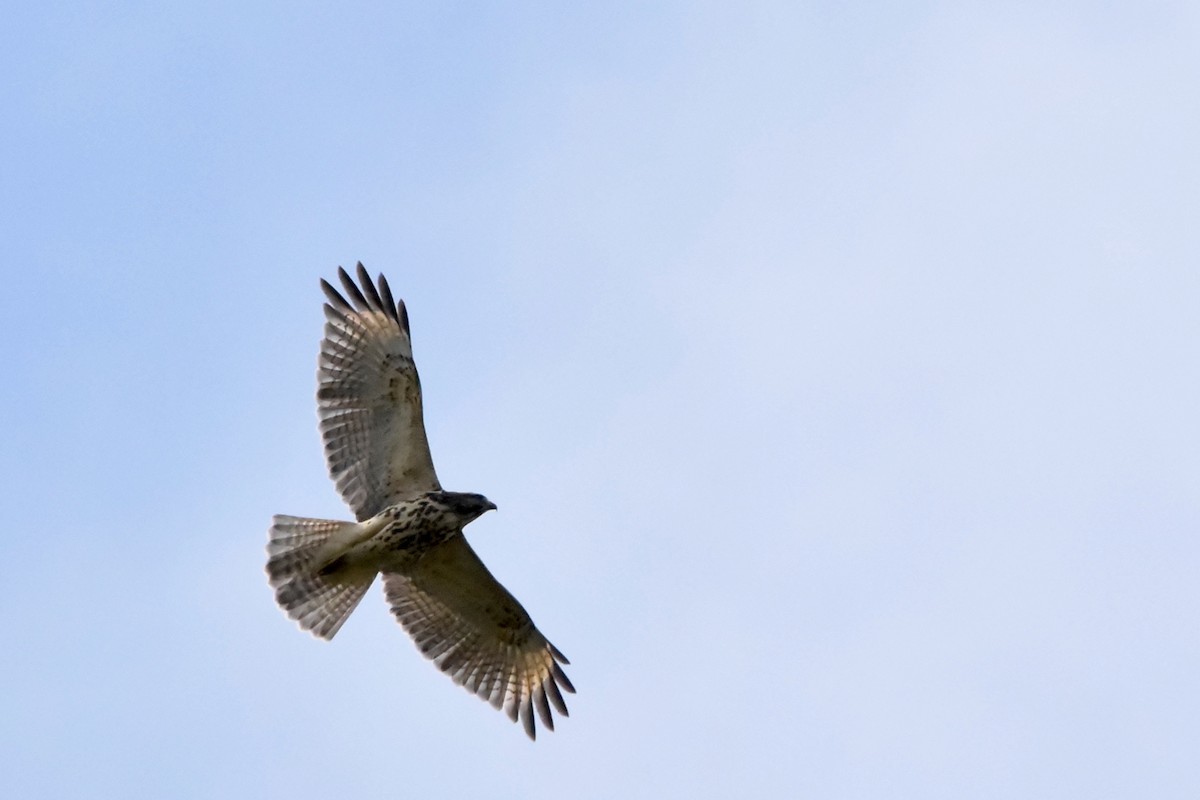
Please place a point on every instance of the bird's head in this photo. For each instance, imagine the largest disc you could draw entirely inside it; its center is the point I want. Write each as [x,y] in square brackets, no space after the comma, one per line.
[466,505]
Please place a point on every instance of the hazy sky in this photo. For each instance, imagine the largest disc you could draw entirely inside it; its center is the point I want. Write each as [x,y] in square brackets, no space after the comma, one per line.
[834,367]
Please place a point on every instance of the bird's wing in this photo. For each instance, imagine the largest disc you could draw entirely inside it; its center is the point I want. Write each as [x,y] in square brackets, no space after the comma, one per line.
[369,399]
[478,634]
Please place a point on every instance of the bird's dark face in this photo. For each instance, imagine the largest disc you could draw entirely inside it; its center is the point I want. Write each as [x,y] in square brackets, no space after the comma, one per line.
[466,505]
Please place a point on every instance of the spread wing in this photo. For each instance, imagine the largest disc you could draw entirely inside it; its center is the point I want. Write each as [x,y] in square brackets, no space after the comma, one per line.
[477,633]
[369,399]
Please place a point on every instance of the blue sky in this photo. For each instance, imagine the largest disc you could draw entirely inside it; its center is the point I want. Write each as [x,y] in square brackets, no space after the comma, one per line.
[834,368]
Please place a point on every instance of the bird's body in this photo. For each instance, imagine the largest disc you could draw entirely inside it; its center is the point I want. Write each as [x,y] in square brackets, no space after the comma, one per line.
[397,537]
[408,529]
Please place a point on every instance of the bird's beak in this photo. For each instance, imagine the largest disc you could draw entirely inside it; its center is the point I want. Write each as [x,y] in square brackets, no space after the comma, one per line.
[490,506]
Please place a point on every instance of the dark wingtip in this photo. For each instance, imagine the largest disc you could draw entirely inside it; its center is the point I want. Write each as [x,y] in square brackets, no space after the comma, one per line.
[543,708]
[352,289]
[527,718]
[335,298]
[368,287]
[555,696]
[561,677]
[389,302]
[403,316]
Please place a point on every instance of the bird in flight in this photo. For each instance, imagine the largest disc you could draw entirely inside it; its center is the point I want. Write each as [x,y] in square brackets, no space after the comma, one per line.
[407,528]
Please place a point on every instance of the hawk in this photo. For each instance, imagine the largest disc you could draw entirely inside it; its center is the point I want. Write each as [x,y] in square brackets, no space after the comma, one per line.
[407,528]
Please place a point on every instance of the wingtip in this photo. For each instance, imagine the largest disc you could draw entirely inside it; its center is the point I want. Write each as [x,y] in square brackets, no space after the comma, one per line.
[333,295]
[555,696]
[561,677]
[364,294]
[542,705]
[374,301]
[403,311]
[356,295]
[389,302]
[527,718]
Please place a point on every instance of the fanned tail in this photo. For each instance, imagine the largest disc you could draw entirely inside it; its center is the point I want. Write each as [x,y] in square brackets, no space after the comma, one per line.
[298,568]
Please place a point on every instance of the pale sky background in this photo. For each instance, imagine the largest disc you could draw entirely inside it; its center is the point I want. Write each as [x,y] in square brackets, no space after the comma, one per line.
[834,367]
